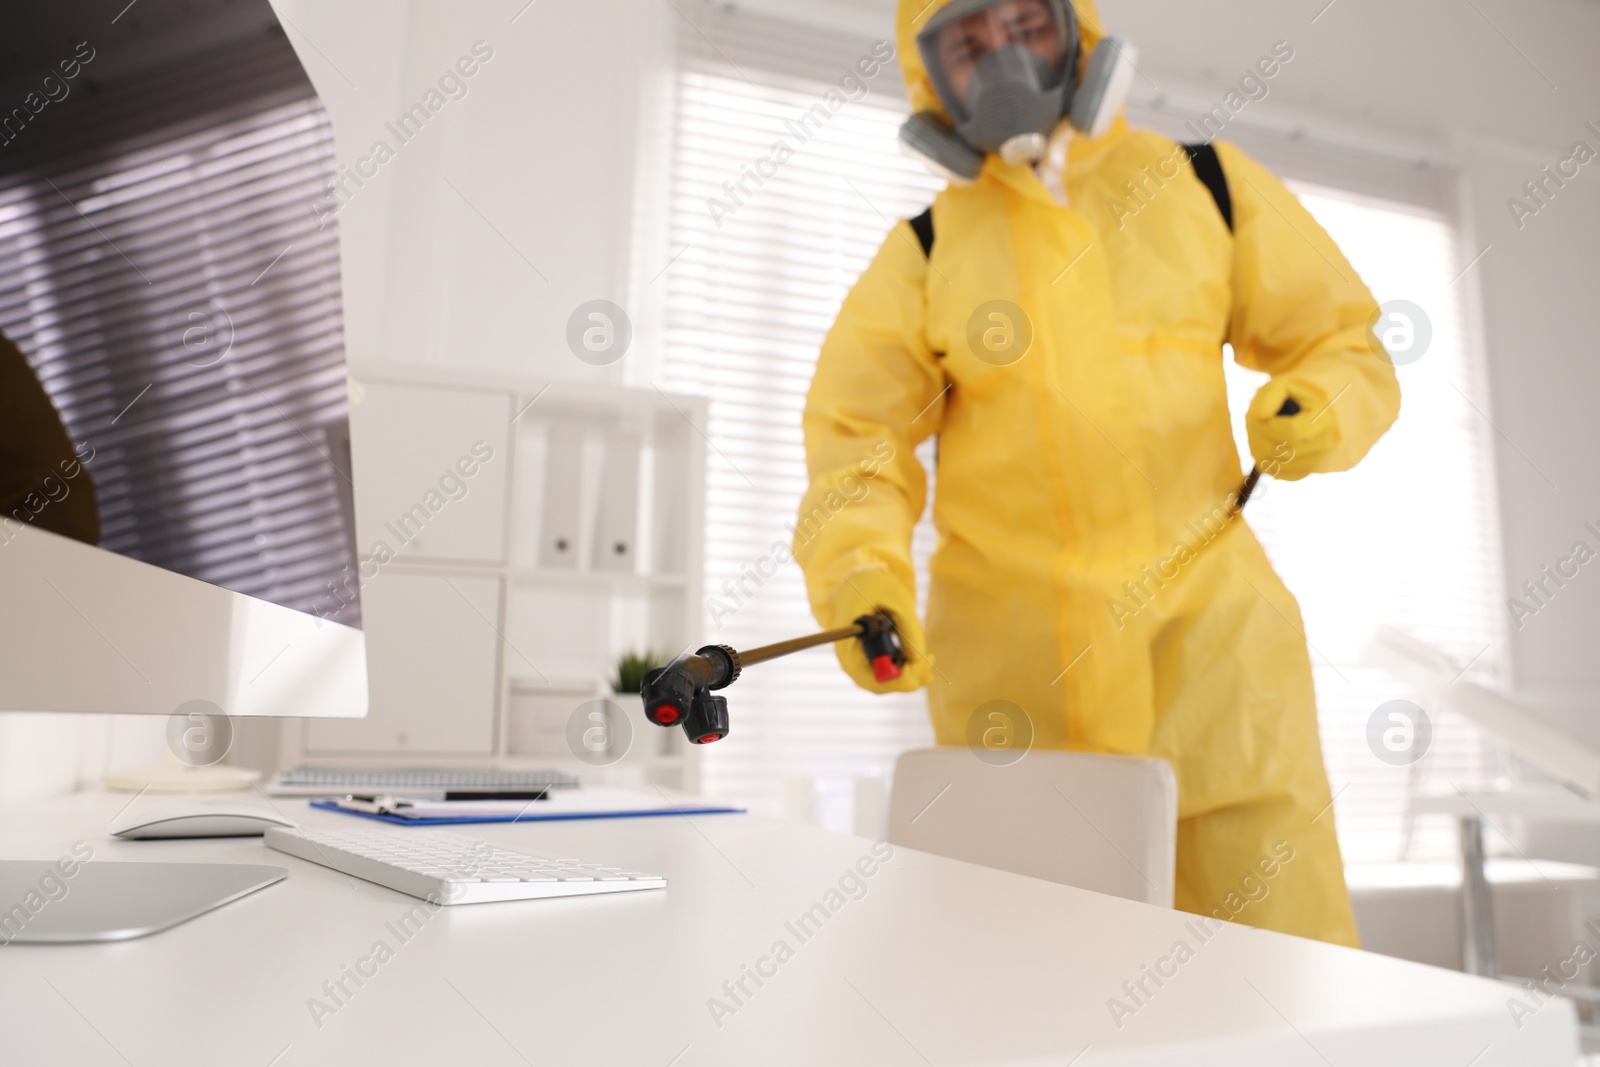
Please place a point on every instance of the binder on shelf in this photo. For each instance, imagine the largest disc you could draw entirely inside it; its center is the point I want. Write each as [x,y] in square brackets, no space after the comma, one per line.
[559,525]
[617,528]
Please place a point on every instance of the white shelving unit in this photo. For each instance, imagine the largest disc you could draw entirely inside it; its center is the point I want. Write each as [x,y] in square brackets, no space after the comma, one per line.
[508,562]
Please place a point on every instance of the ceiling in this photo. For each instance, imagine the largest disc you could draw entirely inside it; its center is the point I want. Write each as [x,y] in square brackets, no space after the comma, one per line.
[1442,70]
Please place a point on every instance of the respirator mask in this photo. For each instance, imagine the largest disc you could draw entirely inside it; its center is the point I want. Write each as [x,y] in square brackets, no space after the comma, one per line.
[1006,72]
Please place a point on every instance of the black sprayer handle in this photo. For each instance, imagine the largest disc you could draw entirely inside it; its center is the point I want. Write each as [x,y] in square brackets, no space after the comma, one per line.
[1291,406]
[881,642]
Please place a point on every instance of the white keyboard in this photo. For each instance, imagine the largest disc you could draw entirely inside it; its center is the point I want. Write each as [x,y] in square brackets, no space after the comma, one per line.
[323,781]
[450,868]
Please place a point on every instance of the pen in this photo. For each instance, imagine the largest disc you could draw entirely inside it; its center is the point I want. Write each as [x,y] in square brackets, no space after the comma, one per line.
[378,804]
[498,794]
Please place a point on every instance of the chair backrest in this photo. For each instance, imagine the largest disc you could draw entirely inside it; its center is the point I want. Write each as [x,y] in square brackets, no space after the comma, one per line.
[1106,823]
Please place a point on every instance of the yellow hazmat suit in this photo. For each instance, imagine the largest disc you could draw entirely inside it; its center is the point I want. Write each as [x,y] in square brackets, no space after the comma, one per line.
[1088,571]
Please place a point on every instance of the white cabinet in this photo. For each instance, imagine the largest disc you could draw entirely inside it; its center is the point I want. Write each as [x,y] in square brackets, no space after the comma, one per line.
[432,466]
[433,660]
[481,640]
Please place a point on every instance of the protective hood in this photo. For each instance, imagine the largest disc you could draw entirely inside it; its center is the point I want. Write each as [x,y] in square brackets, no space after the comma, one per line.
[913,15]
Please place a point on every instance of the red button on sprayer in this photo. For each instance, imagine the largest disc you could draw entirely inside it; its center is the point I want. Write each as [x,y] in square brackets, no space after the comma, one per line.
[884,669]
[708,738]
[666,714]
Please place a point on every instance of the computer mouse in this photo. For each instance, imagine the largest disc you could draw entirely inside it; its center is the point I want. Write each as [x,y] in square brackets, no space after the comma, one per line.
[203,819]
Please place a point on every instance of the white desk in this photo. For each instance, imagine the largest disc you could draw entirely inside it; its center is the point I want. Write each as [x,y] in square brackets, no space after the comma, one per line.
[938,963]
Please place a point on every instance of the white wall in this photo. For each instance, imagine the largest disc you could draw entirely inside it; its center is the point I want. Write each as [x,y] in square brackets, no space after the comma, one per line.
[514,204]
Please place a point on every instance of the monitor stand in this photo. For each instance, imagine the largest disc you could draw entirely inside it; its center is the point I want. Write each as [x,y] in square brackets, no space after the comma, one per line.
[186,769]
[178,778]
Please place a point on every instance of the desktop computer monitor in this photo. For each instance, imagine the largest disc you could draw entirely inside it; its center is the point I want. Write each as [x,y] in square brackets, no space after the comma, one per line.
[176,500]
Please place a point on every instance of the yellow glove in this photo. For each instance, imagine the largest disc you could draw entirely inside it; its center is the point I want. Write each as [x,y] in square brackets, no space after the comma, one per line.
[864,593]
[1291,445]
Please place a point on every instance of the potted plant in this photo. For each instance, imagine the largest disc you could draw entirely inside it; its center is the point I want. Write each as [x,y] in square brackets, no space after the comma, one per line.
[632,666]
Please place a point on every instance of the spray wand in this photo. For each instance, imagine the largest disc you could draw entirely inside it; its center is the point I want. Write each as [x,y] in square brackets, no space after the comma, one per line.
[681,692]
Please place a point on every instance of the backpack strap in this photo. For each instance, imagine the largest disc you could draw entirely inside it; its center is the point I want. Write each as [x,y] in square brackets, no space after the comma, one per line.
[1208,168]
[923,225]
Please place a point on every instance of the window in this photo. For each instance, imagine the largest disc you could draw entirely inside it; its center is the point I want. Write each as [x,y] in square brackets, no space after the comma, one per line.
[1407,539]
[756,285]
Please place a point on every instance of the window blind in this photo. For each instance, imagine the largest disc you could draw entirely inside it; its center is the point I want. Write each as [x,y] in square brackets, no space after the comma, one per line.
[749,301]
[162,269]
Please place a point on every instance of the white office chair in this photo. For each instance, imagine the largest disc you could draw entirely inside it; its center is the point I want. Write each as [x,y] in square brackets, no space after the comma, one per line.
[1106,823]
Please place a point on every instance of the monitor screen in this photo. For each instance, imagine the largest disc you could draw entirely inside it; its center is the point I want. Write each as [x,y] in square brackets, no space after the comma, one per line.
[172,373]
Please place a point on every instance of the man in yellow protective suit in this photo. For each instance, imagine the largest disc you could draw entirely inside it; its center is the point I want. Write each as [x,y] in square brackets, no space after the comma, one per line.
[1058,322]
